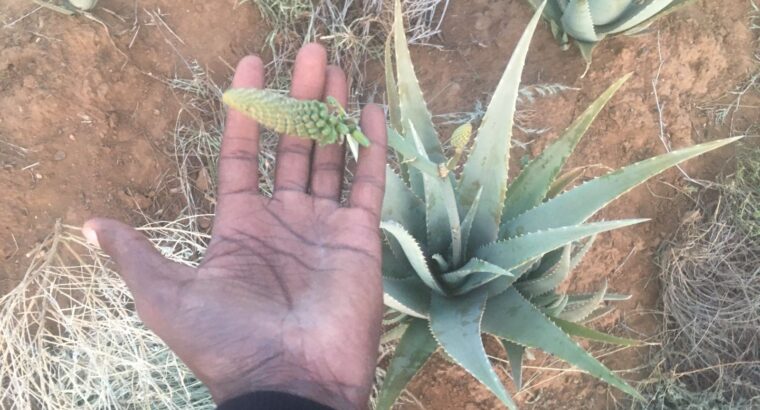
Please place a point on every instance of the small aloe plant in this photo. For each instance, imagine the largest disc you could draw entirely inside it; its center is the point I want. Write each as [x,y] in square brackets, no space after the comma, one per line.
[590,21]
[467,253]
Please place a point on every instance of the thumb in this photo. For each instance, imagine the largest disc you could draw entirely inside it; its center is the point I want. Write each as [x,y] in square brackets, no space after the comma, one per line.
[141,266]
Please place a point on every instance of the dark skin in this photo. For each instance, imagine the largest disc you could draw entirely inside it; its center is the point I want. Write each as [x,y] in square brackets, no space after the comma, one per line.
[289,295]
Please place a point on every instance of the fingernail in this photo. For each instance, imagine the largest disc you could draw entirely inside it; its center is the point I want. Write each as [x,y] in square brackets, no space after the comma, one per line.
[91,236]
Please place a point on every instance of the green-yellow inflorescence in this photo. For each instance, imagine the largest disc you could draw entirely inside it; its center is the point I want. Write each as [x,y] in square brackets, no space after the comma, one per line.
[325,123]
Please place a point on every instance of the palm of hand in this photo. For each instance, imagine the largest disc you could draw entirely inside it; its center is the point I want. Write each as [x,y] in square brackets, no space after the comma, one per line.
[288,296]
[285,275]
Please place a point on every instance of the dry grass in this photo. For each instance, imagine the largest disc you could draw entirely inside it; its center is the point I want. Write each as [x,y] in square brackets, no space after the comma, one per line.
[711,299]
[69,336]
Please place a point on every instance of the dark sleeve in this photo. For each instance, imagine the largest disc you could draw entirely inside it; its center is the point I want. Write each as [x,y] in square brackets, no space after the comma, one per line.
[269,400]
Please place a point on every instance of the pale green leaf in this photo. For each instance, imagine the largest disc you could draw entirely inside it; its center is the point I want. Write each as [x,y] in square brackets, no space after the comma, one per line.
[636,14]
[488,163]
[609,297]
[574,329]
[455,323]
[472,266]
[391,89]
[563,181]
[577,21]
[413,253]
[555,308]
[510,316]
[441,210]
[587,52]
[411,102]
[550,280]
[607,11]
[577,205]
[515,354]
[514,252]
[531,186]
[414,349]
[408,296]
[468,220]
[402,206]
[411,159]
[581,311]
[578,256]
[395,264]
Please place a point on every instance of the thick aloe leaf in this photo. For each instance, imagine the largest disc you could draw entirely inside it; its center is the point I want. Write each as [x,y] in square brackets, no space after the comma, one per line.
[578,256]
[553,11]
[636,14]
[574,329]
[609,297]
[563,181]
[547,263]
[551,279]
[581,311]
[472,266]
[514,252]
[577,205]
[402,206]
[395,264]
[414,349]
[515,354]
[411,102]
[533,183]
[555,308]
[469,218]
[441,209]
[511,317]
[412,160]
[545,300]
[455,323]
[413,253]
[391,89]
[408,296]
[607,11]
[577,21]
[488,163]
[587,51]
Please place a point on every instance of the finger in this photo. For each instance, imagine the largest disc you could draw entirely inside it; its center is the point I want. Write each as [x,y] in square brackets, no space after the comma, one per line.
[238,160]
[294,153]
[146,272]
[327,164]
[369,182]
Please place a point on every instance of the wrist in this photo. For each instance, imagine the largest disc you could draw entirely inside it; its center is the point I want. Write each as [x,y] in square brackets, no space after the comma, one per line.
[296,381]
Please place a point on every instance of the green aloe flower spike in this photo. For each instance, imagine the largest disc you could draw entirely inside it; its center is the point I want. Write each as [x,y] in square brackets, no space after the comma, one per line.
[468,253]
[325,123]
[590,21]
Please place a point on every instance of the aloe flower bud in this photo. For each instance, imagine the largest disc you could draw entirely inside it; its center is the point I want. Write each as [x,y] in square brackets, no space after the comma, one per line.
[325,123]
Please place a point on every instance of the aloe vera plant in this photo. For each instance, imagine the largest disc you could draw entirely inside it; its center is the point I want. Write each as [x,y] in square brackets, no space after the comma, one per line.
[467,253]
[590,21]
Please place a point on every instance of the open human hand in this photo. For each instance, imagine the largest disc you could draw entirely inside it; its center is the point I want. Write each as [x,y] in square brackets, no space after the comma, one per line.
[288,296]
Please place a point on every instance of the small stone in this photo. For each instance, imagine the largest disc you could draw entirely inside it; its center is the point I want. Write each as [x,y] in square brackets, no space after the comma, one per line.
[142,201]
[204,222]
[203,181]
[156,112]
[59,156]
